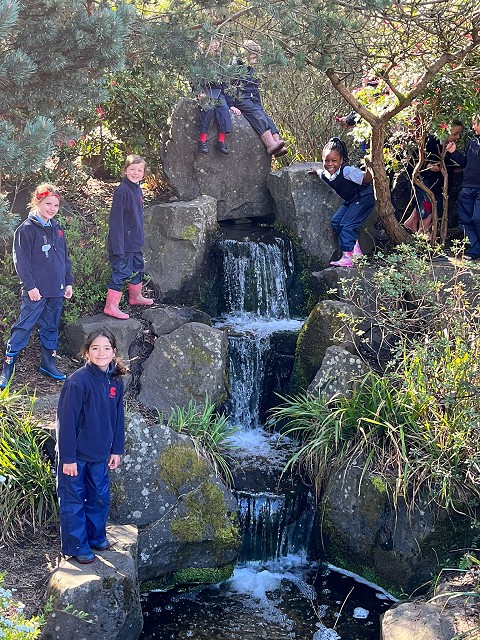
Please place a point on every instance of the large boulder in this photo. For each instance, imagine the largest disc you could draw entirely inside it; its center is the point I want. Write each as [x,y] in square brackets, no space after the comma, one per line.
[238,181]
[364,529]
[168,318]
[324,327]
[186,364]
[125,332]
[186,516]
[304,204]
[177,238]
[339,374]
[107,591]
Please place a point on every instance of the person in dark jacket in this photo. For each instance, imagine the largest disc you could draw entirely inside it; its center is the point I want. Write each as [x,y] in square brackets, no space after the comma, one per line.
[41,260]
[212,101]
[469,196]
[354,186]
[244,98]
[90,441]
[125,240]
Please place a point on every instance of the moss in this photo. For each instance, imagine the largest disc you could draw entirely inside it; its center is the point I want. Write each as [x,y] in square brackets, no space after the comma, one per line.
[190,232]
[108,582]
[190,575]
[117,493]
[204,515]
[180,465]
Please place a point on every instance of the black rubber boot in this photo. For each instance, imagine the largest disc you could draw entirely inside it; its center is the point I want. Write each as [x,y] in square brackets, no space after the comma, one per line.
[8,369]
[47,365]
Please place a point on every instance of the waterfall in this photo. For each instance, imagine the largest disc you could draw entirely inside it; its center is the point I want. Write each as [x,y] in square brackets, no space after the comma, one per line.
[255,275]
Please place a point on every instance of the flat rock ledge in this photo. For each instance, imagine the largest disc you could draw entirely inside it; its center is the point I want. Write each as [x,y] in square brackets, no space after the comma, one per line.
[106,593]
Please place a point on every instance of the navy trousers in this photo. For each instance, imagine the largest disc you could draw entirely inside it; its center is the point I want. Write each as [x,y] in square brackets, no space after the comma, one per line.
[84,502]
[129,267]
[469,217]
[348,219]
[256,116]
[45,314]
[222,114]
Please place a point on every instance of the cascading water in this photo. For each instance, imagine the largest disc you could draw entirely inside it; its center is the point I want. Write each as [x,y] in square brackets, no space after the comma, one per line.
[274,592]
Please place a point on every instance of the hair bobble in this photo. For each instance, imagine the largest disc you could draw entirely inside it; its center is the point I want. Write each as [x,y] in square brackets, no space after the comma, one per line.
[47,193]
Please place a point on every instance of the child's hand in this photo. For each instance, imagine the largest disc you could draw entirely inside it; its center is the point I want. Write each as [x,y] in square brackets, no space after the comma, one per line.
[236,111]
[34,295]
[311,170]
[70,469]
[451,147]
[114,461]
[68,292]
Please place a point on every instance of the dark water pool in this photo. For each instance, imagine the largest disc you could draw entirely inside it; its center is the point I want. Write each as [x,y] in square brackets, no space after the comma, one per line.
[280,600]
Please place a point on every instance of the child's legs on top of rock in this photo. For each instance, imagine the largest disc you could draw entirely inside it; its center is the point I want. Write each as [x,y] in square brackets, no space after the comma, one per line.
[222,114]
[97,501]
[469,218]
[137,267]
[337,224]
[122,269]
[30,312]
[49,323]
[71,499]
[254,114]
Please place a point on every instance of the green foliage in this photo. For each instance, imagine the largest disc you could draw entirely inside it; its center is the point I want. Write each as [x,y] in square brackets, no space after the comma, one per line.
[27,486]
[9,295]
[140,102]
[8,221]
[416,425]
[13,624]
[53,56]
[210,432]
[87,241]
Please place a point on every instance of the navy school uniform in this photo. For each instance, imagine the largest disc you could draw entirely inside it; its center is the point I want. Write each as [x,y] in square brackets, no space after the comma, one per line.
[359,201]
[90,427]
[126,235]
[246,97]
[41,260]
[469,196]
[214,92]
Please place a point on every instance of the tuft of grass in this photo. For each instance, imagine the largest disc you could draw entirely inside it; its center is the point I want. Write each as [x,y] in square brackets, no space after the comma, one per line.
[210,431]
[27,486]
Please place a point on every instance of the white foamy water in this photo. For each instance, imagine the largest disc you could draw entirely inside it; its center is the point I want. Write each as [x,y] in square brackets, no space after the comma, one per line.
[249,323]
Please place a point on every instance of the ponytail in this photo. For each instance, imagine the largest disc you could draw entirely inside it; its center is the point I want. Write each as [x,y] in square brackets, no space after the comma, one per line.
[338,145]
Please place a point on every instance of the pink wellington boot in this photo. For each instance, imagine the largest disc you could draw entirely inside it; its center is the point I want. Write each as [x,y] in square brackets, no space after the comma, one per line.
[356,249]
[135,295]
[111,305]
[345,260]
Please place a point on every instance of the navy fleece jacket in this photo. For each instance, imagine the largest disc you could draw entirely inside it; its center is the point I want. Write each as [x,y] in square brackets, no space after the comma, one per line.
[470,161]
[125,234]
[90,418]
[41,258]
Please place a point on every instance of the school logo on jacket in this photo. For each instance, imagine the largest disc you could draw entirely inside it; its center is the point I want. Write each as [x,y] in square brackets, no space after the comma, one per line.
[60,233]
[113,392]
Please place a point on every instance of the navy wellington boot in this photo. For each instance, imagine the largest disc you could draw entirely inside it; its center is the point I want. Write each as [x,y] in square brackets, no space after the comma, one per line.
[8,370]
[48,366]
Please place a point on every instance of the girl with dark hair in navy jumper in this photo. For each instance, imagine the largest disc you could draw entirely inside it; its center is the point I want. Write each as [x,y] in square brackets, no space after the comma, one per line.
[90,441]
[354,186]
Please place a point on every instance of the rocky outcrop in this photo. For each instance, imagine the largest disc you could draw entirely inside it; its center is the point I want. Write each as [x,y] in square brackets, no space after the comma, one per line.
[339,374]
[106,593]
[362,527]
[323,328]
[187,364]
[237,181]
[304,204]
[125,332]
[186,516]
[166,319]
[177,237]
[418,620]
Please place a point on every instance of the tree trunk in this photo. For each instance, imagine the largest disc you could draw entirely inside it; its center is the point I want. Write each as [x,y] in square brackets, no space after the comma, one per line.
[381,185]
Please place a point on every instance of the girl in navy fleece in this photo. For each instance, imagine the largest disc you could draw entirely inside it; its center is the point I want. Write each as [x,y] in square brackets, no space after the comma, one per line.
[354,186]
[41,260]
[90,440]
[125,239]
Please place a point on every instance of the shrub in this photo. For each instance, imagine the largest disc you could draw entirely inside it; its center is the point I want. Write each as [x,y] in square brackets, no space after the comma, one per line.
[27,486]
[415,423]
[13,625]
[209,431]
